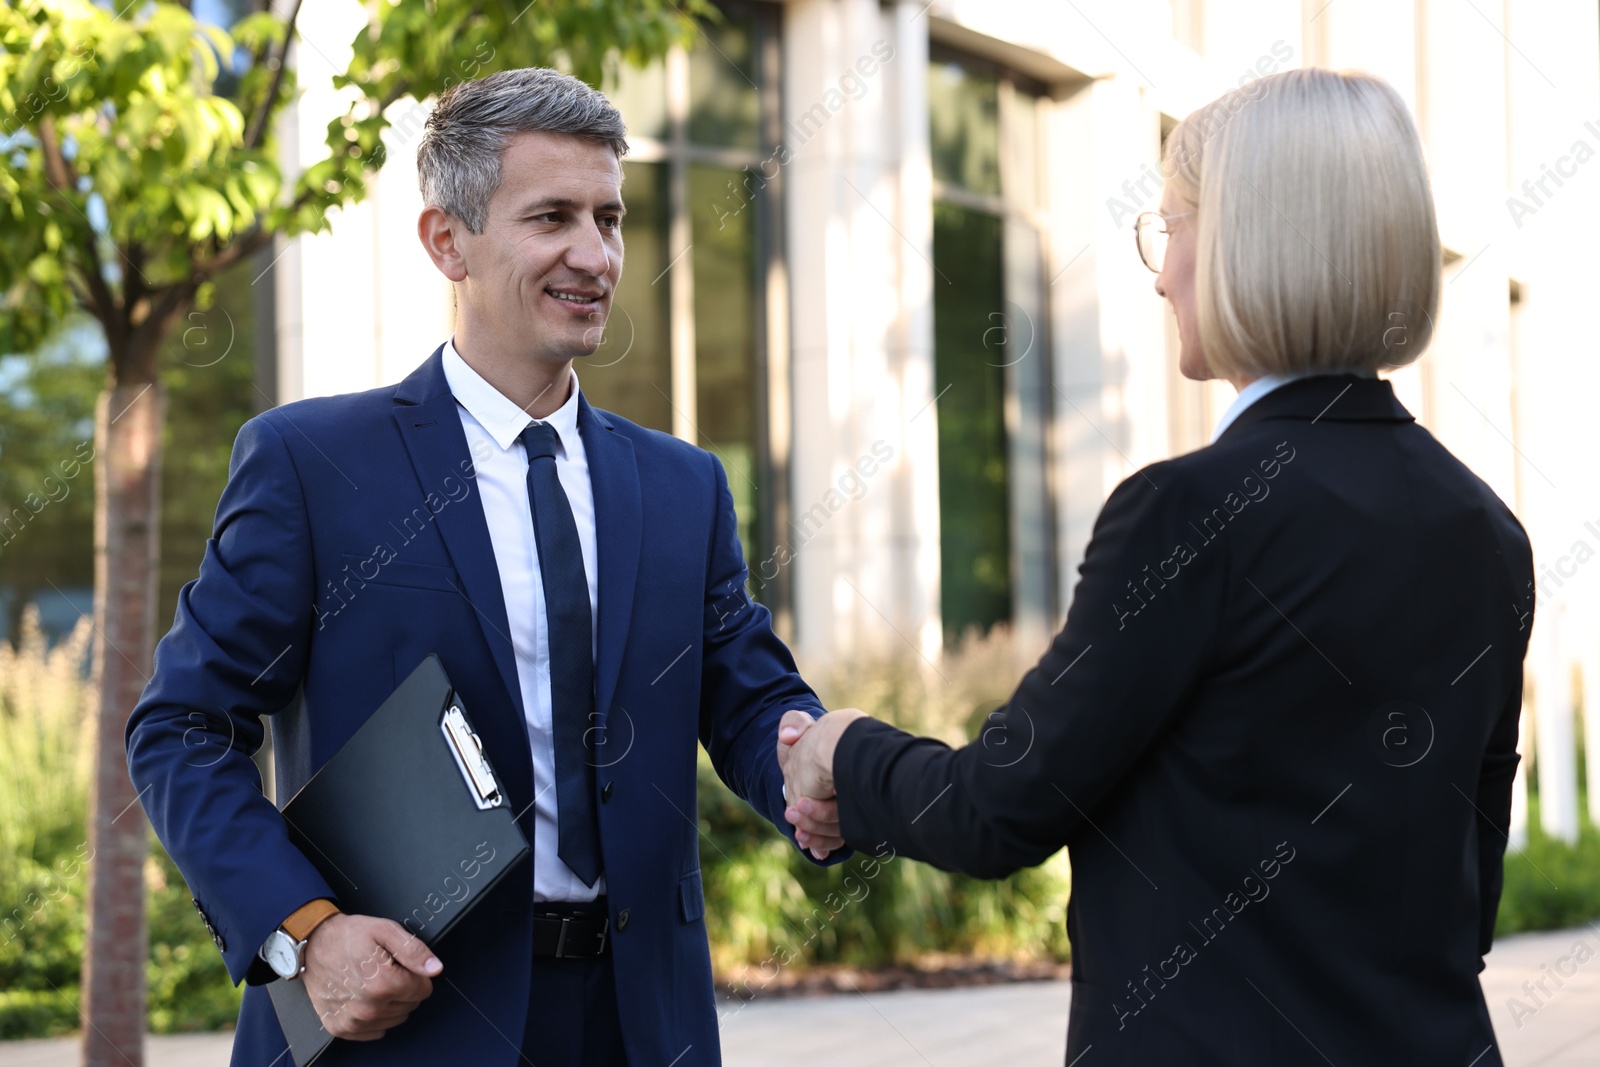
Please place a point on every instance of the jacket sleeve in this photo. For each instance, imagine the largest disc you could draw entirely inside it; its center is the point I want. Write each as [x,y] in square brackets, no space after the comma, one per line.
[1494,815]
[235,653]
[748,678]
[1146,609]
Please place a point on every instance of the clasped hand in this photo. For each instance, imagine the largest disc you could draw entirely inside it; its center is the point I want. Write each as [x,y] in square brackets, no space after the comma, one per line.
[805,753]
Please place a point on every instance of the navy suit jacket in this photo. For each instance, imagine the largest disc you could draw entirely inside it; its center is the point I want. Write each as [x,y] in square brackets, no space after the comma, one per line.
[349,544]
[1277,735]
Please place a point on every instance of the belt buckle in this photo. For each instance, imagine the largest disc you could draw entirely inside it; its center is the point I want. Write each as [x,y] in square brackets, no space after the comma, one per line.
[605,929]
[561,938]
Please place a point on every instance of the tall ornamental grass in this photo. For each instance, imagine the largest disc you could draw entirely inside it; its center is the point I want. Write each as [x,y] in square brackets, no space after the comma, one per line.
[45,751]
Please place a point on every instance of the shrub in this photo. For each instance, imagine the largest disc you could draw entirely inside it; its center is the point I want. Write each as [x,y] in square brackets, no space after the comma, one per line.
[45,747]
[30,1013]
[768,907]
[1549,884]
[187,984]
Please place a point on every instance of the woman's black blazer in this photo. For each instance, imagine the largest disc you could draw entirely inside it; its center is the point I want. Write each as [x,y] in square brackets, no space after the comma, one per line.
[1277,735]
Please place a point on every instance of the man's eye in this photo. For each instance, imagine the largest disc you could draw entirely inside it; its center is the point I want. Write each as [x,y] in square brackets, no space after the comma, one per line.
[613,222]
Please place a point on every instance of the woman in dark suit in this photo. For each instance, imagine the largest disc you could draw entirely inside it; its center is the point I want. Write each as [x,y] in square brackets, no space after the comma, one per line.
[1278,730]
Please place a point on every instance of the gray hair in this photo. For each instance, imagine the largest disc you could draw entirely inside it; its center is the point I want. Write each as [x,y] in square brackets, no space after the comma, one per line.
[458,161]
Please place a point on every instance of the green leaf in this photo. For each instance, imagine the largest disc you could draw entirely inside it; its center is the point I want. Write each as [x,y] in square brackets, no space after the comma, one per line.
[135,103]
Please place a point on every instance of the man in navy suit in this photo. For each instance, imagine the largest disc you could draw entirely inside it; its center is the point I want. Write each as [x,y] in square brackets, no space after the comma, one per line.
[581,580]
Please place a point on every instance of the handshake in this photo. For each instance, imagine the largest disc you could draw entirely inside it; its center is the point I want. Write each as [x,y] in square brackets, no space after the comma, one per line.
[805,753]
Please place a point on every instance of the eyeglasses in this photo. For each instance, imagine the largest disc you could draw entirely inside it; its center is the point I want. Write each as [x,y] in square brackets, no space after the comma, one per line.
[1150,233]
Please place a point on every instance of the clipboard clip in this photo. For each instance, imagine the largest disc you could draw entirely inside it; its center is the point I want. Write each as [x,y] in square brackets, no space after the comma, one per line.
[468,751]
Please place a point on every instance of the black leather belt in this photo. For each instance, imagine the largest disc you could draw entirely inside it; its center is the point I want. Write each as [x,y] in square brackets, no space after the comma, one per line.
[571,931]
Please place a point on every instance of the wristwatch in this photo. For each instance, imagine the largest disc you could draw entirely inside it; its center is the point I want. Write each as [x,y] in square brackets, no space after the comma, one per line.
[285,950]
[285,955]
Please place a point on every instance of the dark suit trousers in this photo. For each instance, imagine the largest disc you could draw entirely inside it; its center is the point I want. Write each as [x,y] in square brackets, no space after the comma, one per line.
[572,1015]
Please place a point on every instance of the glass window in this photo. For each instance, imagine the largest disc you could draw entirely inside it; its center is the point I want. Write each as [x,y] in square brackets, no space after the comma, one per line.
[700,127]
[990,369]
[964,126]
[724,104]
[974,530]
[641,95]
[726,400]
[1025,178]
[631,372]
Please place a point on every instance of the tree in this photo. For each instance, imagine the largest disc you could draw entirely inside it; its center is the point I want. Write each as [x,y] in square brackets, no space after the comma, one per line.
[141,164]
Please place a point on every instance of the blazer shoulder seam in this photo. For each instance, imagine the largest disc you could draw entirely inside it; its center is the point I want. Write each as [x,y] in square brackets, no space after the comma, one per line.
[267,420]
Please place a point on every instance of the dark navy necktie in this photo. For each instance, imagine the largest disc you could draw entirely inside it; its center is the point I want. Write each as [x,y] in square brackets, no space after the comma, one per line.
[571,642]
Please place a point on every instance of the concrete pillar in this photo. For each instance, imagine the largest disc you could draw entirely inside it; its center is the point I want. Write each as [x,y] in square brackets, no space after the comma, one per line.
[1109,343]
[860,252]
[1557,762]
[1518,833]
[1589,666]
[1551,84]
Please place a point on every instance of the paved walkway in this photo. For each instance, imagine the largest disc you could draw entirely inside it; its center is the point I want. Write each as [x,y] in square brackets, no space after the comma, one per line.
[1025,1025]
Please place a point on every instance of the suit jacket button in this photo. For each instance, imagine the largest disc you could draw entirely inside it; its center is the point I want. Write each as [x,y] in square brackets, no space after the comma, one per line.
[622,919]
[605,794]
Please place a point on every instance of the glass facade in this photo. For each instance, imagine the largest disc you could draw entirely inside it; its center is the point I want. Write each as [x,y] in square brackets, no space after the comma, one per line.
[726,345]
[685,352]
[724,78]
[964,125]
[989,356]
[631,373]
[968,312]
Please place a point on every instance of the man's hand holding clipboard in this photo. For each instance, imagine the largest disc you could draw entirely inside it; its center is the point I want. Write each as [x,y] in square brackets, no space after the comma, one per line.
[395,970]
[408,825]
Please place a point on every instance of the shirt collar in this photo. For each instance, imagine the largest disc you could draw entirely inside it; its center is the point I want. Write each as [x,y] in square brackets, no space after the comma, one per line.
[1249,395]
[1266,384]
[496,413]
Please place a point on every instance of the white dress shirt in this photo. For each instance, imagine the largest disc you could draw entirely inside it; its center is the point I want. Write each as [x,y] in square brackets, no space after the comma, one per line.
[493,423]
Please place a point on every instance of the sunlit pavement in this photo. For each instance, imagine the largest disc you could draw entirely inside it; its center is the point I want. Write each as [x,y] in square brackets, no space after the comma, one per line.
[1558,1025]
[1025,1025]
[188,1050]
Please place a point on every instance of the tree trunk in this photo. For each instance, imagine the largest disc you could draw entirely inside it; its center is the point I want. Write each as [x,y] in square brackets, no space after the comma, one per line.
[128,425]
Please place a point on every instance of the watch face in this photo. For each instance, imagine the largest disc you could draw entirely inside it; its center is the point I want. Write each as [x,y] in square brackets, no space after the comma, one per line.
[282,955]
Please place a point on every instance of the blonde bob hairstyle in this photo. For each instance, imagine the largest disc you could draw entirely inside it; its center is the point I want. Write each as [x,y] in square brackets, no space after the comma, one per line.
[1317,249]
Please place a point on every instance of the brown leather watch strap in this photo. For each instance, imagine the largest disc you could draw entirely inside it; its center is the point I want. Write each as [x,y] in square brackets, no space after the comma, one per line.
[308,917]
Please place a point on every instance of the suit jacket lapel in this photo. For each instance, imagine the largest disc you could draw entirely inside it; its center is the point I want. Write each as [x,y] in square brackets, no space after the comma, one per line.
[618,519]
[425,412]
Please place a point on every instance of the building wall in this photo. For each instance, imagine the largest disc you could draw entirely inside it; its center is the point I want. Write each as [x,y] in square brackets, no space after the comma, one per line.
[860,242]
[359,305]
[1503,94]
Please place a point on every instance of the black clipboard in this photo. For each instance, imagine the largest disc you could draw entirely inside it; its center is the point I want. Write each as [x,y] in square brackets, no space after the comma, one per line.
[407,821]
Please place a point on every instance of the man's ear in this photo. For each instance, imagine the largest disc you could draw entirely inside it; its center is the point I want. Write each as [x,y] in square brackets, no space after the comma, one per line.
[439,232]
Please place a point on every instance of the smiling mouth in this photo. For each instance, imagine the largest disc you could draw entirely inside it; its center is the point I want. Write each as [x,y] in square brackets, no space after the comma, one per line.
[577,300]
